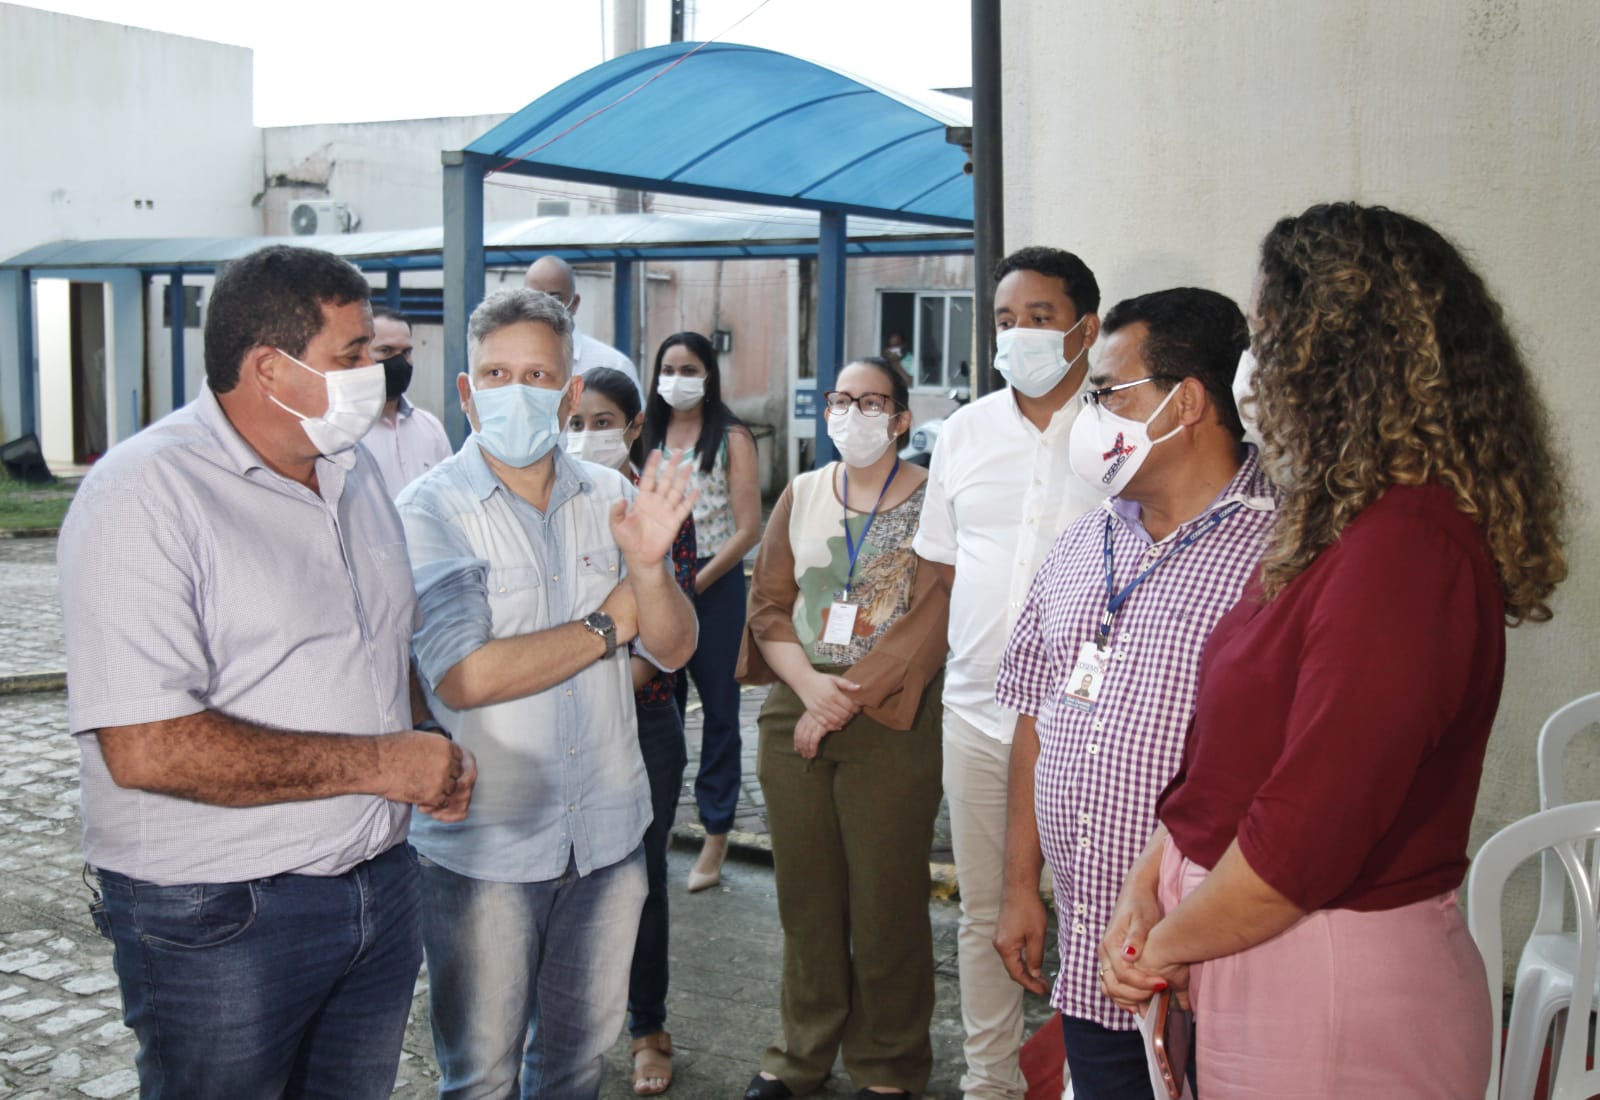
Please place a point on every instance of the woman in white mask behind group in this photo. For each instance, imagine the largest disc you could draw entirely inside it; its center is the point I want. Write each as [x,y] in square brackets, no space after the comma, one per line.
[686,412]
[605,430]
[849,626]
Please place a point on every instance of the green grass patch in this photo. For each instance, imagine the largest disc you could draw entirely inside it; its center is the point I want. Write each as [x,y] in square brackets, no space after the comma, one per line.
[33,506]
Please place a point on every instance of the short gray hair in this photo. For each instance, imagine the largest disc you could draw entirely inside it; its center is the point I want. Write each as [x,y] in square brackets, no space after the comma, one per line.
[512,306]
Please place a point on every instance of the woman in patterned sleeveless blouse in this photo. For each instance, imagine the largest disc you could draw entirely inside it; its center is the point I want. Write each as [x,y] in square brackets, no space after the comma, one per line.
[849,626]
[686,412]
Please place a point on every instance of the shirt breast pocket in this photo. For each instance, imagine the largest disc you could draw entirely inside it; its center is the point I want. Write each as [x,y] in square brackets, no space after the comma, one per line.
[598,571]
[517,600]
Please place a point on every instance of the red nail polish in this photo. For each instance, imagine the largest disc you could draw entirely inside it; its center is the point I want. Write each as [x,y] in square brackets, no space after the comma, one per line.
[1161,987]
[1130,951]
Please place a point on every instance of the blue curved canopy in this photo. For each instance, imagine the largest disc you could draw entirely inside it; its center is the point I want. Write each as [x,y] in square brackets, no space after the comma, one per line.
[739,123]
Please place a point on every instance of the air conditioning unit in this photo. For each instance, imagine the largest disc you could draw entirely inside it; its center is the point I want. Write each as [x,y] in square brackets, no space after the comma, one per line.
[319,217]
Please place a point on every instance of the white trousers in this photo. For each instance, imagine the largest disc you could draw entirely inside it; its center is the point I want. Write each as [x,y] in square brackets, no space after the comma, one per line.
[975,771]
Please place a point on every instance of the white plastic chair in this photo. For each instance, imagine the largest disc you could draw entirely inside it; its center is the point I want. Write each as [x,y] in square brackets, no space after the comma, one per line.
[1569,837]
[1544,973]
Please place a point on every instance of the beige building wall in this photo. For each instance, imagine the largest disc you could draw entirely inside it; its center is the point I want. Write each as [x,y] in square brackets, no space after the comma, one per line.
[1160,139]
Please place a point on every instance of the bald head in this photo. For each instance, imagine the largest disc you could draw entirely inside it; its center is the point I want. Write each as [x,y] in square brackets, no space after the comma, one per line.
[553,275]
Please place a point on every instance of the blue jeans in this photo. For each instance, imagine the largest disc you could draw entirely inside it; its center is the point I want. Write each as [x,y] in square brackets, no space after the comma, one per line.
[720,610]
[291,986]
[1105,1064]
[661,742]
[528,980]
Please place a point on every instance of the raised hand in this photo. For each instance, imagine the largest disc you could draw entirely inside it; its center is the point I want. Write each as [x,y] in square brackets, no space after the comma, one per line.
[645,527]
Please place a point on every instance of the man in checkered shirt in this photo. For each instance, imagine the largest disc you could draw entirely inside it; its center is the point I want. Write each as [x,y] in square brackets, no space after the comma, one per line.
[1102,669]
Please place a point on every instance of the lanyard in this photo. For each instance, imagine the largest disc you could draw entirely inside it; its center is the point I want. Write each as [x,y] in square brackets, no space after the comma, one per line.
[852,547]
[1115,599]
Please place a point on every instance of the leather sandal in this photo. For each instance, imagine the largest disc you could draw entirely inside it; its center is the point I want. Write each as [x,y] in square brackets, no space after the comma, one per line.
[652,1061]
[760,1088]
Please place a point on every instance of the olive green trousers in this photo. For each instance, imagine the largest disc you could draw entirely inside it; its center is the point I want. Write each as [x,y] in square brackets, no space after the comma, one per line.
[851,831]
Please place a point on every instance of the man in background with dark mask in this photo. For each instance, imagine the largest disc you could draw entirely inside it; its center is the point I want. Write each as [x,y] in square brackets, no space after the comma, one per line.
[406,440]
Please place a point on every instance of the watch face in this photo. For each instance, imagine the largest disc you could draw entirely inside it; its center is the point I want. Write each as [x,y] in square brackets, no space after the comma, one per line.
[599,620]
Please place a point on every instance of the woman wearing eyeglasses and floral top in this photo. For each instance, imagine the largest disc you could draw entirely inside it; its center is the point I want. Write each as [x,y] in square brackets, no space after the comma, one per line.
[848,624]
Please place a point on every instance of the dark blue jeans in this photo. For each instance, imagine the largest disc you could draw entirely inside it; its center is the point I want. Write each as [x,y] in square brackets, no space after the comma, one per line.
[1105,1064]
[720,609]
[661,742]
[291,986]
[1109,1065]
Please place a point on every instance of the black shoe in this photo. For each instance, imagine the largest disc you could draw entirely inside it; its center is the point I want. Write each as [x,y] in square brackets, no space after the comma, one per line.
[762,1089]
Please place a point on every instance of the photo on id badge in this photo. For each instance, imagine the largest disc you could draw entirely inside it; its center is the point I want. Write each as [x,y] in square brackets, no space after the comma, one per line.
[1083,686]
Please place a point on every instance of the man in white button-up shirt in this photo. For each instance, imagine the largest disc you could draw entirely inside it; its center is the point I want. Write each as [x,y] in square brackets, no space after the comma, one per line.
[1000,489]
[553,275]
[406,441]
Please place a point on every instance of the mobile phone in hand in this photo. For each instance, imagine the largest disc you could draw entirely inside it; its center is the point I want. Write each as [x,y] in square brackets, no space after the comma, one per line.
[1171,1041]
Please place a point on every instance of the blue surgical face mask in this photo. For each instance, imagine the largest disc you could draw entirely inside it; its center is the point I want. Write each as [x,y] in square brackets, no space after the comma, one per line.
[518,424]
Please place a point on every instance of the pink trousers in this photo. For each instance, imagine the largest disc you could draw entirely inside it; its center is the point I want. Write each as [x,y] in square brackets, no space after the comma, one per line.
[1347,1005]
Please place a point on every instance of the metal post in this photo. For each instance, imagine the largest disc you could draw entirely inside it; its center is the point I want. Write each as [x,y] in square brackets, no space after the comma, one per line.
[463,273]
[18,362]
[622,309]
[391,290]
[830,319]
[988,187]
[177,370]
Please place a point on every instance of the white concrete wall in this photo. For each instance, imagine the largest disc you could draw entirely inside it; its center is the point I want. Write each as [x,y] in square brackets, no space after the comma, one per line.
[389,173]
[95,117]
[1160,139]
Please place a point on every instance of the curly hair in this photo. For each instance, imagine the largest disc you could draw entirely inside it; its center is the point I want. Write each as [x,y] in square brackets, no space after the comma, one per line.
[1384,360]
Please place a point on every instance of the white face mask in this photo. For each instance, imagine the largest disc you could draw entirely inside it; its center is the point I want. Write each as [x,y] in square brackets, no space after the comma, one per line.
[602,446]
[1106,450]
[861,439]
[1243,381]
[683,392]
[355,399]
[1030,359]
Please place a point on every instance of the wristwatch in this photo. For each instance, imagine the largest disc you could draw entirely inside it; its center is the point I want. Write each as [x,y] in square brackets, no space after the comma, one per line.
[598,622]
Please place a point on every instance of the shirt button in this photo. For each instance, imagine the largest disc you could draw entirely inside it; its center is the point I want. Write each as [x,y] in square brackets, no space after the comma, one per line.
[555,578]
[1083,819]
[572,751]
[1078,927]
[572,809]
[502,590]
[569,691]
[1093,750]
[1122,655]
[1080,908]
[1126,638]
[1099,725]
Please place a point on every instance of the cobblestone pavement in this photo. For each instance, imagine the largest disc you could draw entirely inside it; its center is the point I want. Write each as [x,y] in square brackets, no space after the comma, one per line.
[30,616]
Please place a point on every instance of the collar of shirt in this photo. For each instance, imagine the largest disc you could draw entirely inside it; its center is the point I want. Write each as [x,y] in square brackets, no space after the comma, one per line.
[331,470]
[570,479]
[403,409]
[1060,422]
[1249,487]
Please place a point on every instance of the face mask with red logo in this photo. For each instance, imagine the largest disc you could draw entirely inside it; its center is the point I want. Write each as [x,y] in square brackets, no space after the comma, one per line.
[1106,450]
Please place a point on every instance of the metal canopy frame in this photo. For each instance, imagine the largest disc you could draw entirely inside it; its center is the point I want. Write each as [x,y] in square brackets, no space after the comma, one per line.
[720,121]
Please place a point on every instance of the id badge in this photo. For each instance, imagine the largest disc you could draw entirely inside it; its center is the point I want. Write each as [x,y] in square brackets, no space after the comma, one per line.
[841,623]
[1083,686]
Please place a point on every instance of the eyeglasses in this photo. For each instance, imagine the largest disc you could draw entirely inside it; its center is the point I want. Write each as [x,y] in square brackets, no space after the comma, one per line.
[870,404]
[1098,397]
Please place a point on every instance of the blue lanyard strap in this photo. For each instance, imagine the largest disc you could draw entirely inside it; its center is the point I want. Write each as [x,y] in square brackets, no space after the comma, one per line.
[1115,599]
[852,547]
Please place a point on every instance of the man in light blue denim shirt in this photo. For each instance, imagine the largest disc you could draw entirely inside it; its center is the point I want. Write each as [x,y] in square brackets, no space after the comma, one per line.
[532,569]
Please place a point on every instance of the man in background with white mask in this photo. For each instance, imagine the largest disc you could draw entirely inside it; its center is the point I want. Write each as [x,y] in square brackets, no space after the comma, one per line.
[1103,662]
[553,275]
[238,613]
[1000,489]
[533,572]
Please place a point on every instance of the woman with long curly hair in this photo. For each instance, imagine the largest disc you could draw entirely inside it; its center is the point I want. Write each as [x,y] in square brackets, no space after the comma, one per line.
[1300,891]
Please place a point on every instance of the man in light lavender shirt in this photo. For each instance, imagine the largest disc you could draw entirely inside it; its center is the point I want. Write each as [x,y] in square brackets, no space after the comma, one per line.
[406,441]
[1104,685]
[534,571]
[238,611]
